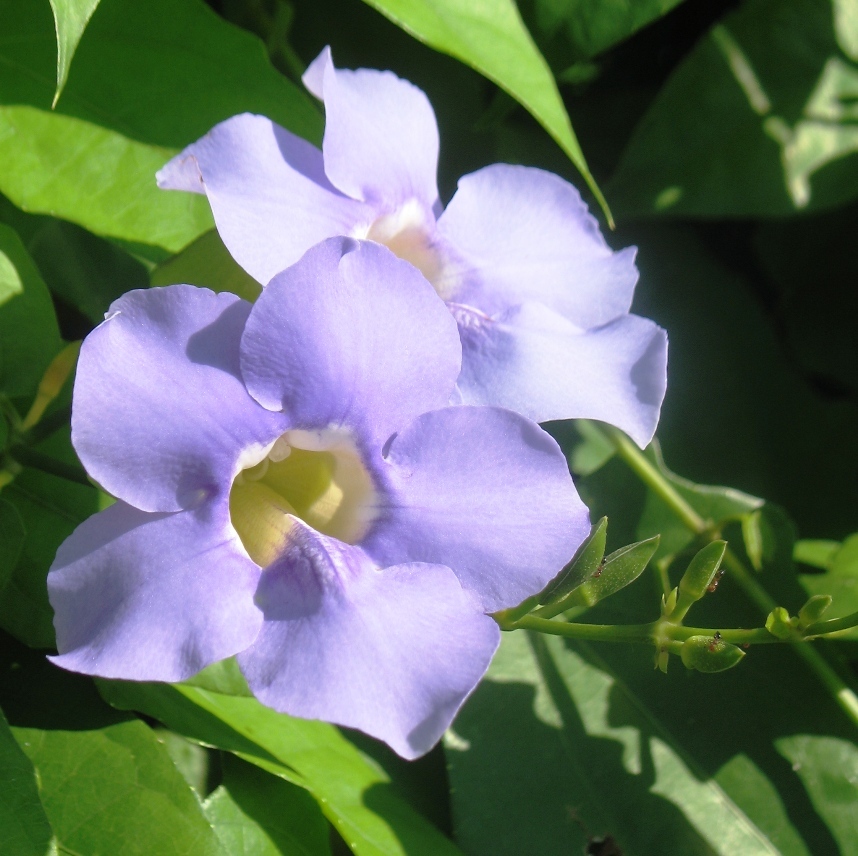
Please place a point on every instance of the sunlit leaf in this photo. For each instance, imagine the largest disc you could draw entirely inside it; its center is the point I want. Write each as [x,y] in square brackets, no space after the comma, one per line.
[70,18]
[491,37]
[29,336]
[353,792]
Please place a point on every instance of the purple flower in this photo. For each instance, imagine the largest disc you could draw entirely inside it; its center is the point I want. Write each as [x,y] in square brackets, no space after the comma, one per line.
[541,301]
[292,488]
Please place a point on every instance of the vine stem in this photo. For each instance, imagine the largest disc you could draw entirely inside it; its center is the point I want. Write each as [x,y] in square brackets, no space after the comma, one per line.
[652,478]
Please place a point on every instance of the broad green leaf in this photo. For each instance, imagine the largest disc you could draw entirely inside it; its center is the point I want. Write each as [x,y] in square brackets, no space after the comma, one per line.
[758,120]
[107,784]
[207,262]
[29,336]
[161,72]
[24,827]
[353,792]
[580,757]
[840,581]
[257,814]
[54,164]
[816,553]
[70,19]
[50,508]
[491,37]
[828,769]
[576,30]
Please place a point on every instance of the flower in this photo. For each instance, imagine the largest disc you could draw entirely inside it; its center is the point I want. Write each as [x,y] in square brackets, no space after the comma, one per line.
[293,488]
[541,301]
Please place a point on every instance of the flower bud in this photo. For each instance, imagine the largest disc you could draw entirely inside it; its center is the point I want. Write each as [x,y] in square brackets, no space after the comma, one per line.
[780,624]
[710,654]
[813,610]
[702,571]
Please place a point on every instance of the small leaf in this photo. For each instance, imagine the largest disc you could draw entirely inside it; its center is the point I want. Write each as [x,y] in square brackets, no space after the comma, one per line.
[491,38]
[840,580]
[70,18]
[813,610]
[780,624]
[753,538]
[622,567]
[584,564]
[817,554]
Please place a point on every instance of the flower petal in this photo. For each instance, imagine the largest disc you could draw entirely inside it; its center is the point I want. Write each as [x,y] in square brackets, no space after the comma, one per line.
[535,362]
[393,652]
[152,597]
[381,138]
[351,336]
[522,234]
[485,492]
[268,192]
[160,412]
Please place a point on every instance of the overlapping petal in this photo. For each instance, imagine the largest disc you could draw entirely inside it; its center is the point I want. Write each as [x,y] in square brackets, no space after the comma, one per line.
[160,412]
[351,336]
[381,138]
[522,234]
[268,192]
[152,597]
[535,362]
[485,492]
[393,652]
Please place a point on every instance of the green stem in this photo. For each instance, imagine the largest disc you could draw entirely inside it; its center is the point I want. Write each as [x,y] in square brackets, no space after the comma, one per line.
[833,625]
[592,632]
[650,475]
[47,464]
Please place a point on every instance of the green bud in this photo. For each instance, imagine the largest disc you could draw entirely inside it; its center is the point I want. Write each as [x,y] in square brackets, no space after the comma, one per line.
[616,571]
[780,624]
[584,564]
[661,661]
[710,654]
[668,604]
[702,573]
[813,610]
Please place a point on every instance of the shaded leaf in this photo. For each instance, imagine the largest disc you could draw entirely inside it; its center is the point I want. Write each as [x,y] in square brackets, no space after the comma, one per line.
[107,784]
[29,335]
[491,38]
[24,827]
[757,120]
[257,814]
[353,792]
[70,19]
[840,581]
[605,765]
[12,536]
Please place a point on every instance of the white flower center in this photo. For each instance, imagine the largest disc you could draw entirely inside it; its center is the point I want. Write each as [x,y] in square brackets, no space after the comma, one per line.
[317,476]
[408,232]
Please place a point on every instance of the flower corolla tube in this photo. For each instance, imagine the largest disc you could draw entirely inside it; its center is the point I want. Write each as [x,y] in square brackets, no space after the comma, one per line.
[293,488]
[540,300]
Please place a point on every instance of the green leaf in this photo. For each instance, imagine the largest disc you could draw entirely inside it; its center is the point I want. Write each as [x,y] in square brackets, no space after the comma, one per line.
[54,164]
[50,508]
[29,336]
[757,120]
[207,262]
[257,814]
[24,827]
[70,18]
[106,782]
[816,553]
[584,564]
[580,29]
[840,581]
[580,757]
[354,793]
[491,38]
[161,72]
[619,569]
[828,769]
